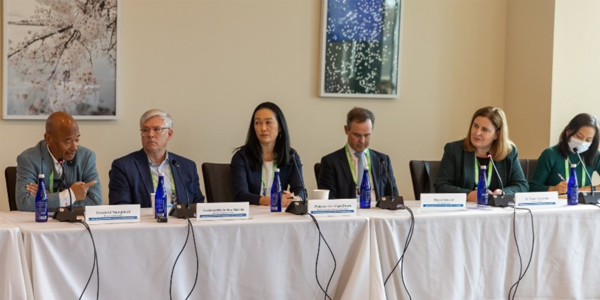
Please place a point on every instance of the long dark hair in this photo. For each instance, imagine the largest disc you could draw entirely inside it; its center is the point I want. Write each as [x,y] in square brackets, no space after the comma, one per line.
[252,147]
[573,127]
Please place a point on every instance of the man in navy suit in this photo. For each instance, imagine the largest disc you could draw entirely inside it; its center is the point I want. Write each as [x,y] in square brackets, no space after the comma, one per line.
[340,171]
[133,177]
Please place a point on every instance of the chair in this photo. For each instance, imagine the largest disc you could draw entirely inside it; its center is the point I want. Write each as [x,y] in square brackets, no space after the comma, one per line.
[10,173]
[317,170]
[423,173]
[217,182]
[525,167]
[532,165]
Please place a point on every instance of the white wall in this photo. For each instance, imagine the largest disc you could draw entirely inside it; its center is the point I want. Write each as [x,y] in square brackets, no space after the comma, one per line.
[209,63]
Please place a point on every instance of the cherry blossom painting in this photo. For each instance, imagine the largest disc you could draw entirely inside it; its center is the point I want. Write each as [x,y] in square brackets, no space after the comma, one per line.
[360,48]
[60,55]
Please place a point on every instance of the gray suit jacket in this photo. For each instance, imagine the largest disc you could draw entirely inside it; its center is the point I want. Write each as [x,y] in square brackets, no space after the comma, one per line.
[37,160]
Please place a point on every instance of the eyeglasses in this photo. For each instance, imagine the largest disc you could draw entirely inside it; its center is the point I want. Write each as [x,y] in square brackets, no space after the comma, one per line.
[156,130]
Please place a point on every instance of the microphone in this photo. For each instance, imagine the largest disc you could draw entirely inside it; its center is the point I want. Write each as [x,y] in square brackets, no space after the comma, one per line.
[182,211]
[502,200]
[298,207]
[389,202]
[584,197]
[66,214]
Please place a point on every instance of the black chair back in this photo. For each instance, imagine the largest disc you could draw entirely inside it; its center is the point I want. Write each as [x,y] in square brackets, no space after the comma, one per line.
[217,182]
[423,173]
[317,170]
[10,173]
[532,164]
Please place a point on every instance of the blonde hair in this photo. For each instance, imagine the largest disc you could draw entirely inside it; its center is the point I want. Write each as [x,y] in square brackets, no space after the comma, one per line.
[502,146]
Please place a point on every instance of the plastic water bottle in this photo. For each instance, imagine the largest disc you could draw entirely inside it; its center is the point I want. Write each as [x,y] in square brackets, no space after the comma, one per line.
[365,190]
[276,193]
[482,187]
[160,202]
[572,186]
[41,201]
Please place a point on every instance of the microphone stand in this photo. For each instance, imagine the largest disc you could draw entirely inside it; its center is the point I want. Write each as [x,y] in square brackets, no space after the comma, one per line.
[178,210]
[66,214]
[390,202]
[298,207]
[583,197]
[501,200]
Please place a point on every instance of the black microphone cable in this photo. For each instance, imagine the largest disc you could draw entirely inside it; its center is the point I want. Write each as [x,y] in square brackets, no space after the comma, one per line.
[409,236]
[521,271]
[95,265]
[326,289]
[190,226]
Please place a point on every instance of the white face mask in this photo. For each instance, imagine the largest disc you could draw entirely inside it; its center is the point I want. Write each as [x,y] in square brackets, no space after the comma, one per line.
[579,144]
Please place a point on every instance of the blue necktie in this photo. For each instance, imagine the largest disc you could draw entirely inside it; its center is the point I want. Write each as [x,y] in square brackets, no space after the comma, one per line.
[360,168]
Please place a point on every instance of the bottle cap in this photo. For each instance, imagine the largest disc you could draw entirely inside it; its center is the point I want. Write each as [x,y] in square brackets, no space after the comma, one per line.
[41,176]
[573,166]
[277,170]
[161,174]
[484,167]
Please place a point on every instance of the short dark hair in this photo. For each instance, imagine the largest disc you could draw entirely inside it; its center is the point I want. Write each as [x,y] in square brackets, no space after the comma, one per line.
[282,144]
[573,127]
[359,115]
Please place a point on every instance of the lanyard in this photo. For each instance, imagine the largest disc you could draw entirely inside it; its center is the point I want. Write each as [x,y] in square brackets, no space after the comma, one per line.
[154,183]
[568,172]
[51,182]
[263,180]
[489,177]
[351,164]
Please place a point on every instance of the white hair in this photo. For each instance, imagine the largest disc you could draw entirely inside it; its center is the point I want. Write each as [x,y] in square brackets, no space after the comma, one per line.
[157,113]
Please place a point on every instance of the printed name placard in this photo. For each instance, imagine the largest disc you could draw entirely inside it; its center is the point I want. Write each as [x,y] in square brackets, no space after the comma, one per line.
[339,207]
[223,211]
[538,199]
[107,214]
[443,202]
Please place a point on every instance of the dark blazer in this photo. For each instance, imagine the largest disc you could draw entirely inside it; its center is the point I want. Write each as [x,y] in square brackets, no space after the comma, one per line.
[37,160]
[457,173]
[247,182]
[335,175]
[130,180]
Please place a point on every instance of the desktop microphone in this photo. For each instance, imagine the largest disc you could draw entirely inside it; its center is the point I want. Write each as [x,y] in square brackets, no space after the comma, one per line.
[389,202]
[298,207]
[178,210]
[584,197]
[66,214]
[501,200]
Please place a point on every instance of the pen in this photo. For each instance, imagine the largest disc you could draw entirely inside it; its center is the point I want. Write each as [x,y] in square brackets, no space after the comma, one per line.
[561,177]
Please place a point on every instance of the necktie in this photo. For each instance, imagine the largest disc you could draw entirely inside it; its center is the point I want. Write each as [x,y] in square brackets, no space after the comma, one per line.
[360,168]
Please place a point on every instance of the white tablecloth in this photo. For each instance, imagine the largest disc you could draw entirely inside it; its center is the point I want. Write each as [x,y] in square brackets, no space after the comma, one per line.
[15,282]
[472,254]
[270,256]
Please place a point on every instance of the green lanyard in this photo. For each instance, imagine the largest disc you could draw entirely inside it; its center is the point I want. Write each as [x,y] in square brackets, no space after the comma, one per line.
[351,164]
[51,183]
[263,180]
[154,183]
[568,173]
[489,177]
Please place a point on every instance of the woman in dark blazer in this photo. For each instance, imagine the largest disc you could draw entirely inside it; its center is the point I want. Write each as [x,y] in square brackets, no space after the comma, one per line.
[267,148]
[488,133]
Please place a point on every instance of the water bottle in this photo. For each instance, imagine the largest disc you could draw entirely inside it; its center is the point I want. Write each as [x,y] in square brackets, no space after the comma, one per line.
[160,202]
[276,193]
[41,201]
[365,190]
[482,187]
[572,186]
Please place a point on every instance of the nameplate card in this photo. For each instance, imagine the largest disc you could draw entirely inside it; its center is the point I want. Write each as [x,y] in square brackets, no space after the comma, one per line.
[109,214]
[223,211]
[339,207]
[443,202]
[538,199]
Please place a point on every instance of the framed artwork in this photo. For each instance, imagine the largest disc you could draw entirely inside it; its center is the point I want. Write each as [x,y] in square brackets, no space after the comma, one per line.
[360,48]
[60,55]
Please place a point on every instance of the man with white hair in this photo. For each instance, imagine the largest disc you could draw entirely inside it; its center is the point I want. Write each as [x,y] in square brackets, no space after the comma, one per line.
[133,177]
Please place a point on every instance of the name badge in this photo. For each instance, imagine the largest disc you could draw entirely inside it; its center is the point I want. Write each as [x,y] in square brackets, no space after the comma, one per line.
[222,211]
[538,199]
[443,202]
[339,207]
[109,214]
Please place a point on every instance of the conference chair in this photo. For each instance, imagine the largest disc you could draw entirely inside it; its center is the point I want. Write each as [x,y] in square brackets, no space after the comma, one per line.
[525,167]
[423,173]
[532,165]
[217,182]
[317,170]
[10,174]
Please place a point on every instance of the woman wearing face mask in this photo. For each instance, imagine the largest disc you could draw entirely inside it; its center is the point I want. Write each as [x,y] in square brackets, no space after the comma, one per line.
[488,133]
[554,164]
